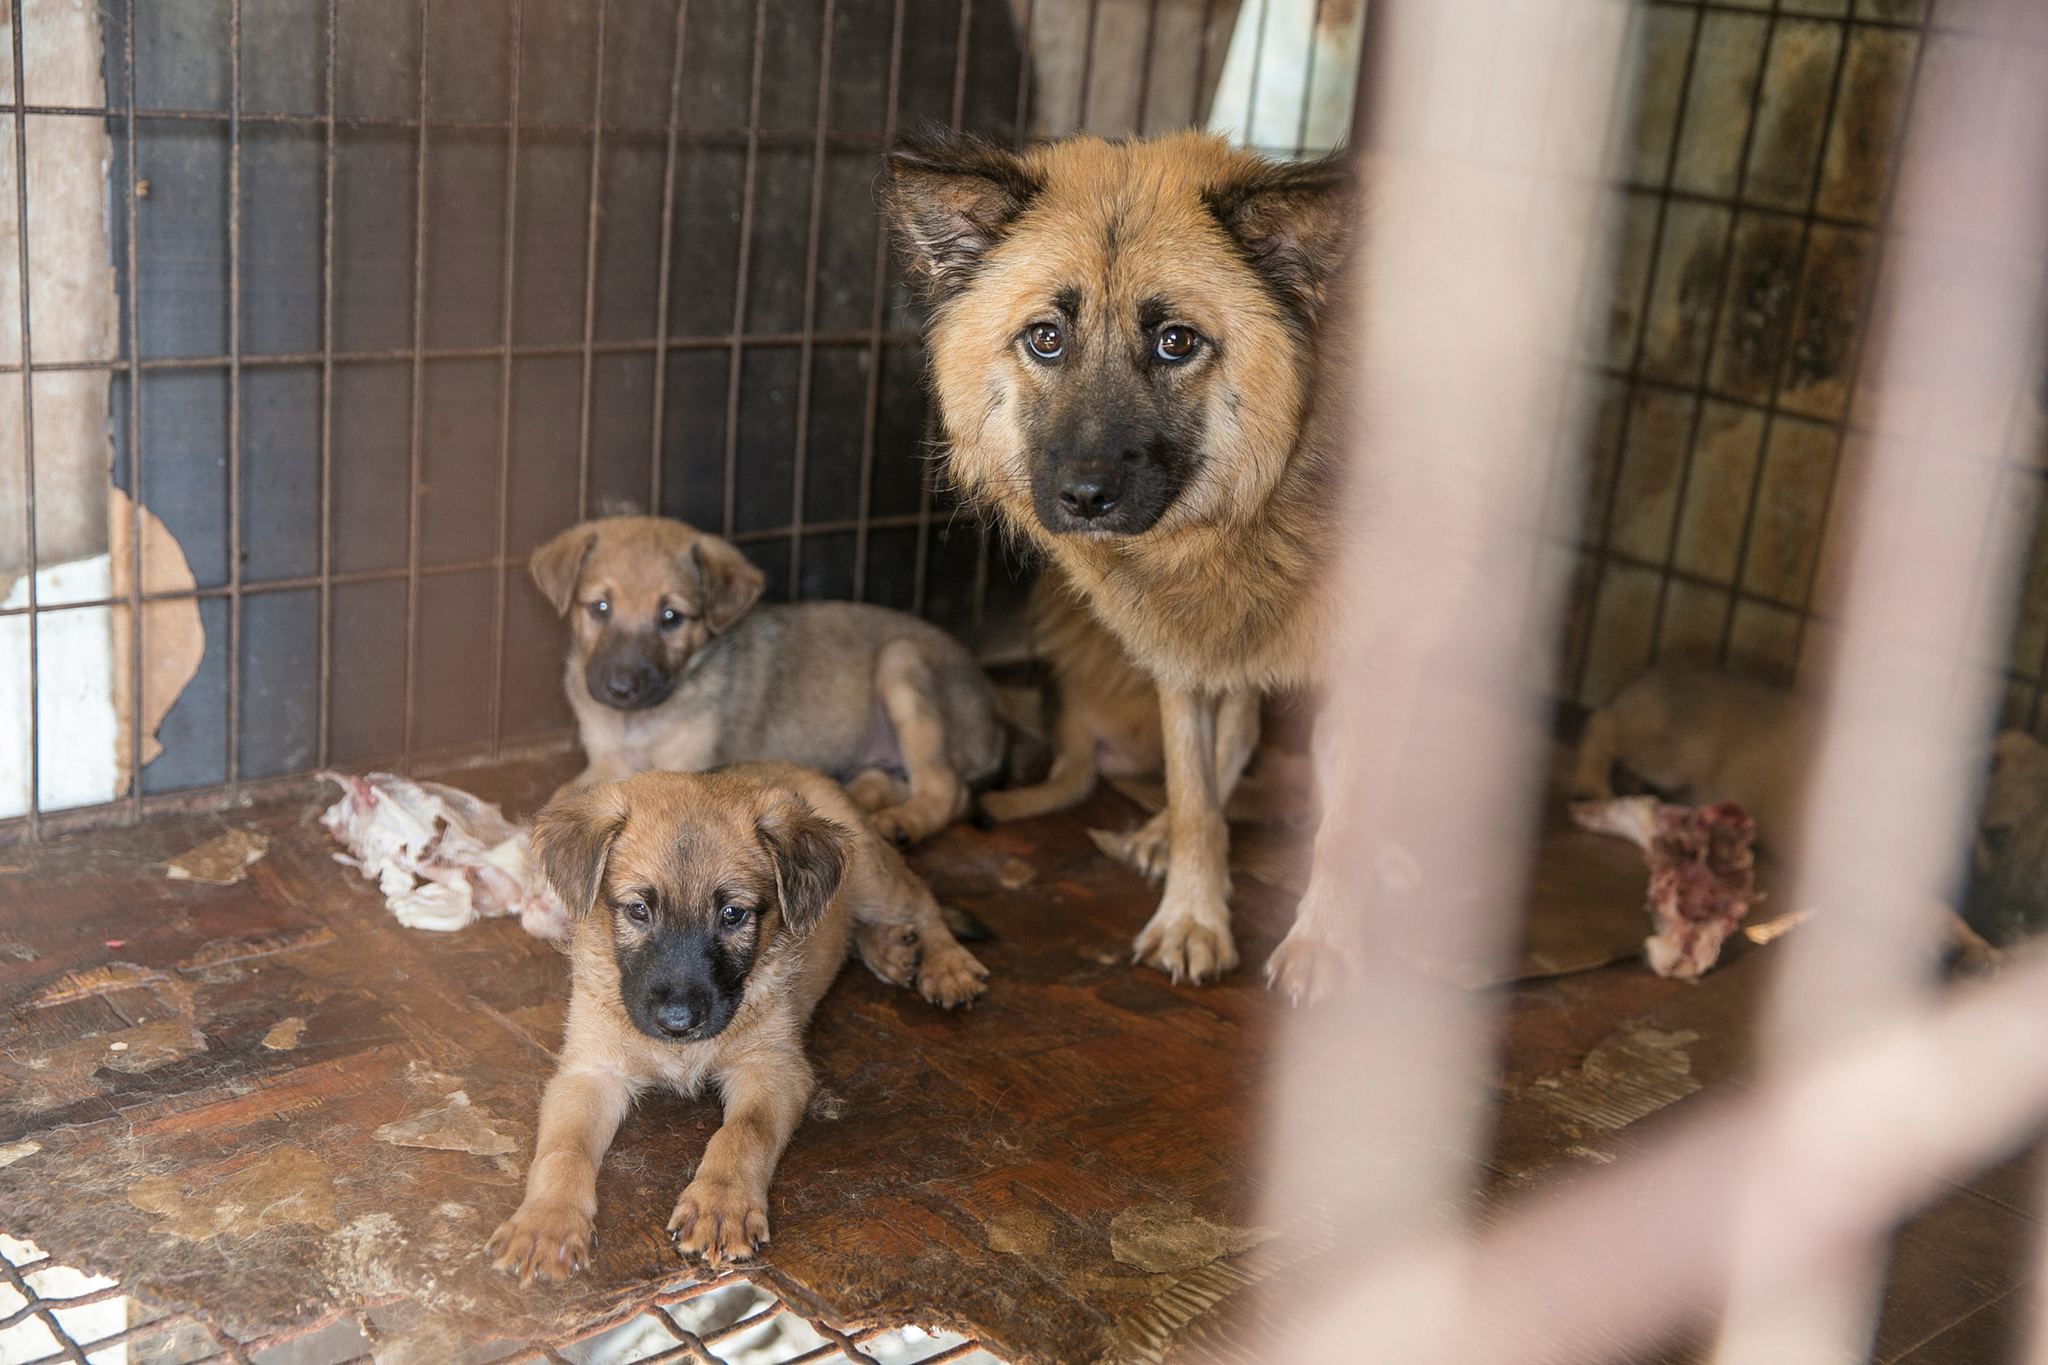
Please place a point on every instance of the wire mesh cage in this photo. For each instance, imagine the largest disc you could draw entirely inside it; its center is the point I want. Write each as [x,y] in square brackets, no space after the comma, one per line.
[359,302]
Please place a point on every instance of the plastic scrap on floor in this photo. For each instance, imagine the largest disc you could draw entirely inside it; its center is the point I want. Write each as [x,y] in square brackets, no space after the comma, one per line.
[441,856]
[1702,874]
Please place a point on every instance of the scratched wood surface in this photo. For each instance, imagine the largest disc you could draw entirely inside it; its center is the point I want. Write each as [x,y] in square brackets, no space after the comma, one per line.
[271,1102]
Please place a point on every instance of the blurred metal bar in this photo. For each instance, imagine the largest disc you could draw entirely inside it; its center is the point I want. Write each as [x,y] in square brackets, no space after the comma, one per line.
[234,736]
[137,636]
[1024,72]
[1138,123]
[28,430]
[1087,65]
[799,458]
[590,233]
[416,451]
[324,721]
[1431,744]
[740,271]
[661,287]
[507,297]
[871,408]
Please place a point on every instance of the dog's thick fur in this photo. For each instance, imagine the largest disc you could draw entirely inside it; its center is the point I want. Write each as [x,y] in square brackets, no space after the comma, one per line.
[711,912]
[1176,455]
[673,665]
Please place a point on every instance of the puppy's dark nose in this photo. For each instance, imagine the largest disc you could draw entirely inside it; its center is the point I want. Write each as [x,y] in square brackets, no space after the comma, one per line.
[1091,490]
[675,1016]
[625,685]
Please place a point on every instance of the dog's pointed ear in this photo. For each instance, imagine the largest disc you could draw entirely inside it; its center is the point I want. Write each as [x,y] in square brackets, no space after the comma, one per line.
[1293,221]
[731,584]
[558,565]
[951,196]
[810,858]
[573,839]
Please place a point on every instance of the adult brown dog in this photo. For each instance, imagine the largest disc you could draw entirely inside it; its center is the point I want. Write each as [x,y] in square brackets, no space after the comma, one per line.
[1128,353]
[672,664]
[711,912]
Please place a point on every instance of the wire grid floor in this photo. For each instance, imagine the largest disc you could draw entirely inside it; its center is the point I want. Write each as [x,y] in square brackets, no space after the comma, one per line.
[52,1312]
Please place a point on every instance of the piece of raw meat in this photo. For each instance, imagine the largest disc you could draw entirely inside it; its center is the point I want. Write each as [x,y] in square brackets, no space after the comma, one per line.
[1702,874]
[441,856]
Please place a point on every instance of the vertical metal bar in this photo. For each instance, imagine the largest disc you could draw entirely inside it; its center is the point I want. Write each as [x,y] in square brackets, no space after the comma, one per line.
[416,452]
[1308,81]
[1251,96]
[28,434]
[739,295]
[1087,65]
[808,345]
[871,411]
[1196,114]
[1145,68]
[1580,665]
[324,724]
[590,269]
[668,218]
[234,754]
[135,560]
[508,275]
[1024,66]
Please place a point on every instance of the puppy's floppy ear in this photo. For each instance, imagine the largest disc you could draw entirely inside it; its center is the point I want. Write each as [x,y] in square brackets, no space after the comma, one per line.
[810,858]
[731,584]
[951,196]
[558,565]
[1293,221]
[573,839]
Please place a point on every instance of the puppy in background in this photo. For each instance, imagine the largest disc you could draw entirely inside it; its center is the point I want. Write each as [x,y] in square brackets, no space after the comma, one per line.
[673,665]
[711,913]
[1700,736]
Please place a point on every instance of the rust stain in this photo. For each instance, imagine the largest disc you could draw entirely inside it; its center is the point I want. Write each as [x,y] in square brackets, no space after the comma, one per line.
[115,976]
[219,862]
[284,1035]
[288,1185]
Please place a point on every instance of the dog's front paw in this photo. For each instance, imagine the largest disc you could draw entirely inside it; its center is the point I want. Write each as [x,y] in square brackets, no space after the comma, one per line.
[719,1221]
[903,825]
[1145,850]
[1311,965]
[951,976]
[542,1239]
[1189,943]
[889,951]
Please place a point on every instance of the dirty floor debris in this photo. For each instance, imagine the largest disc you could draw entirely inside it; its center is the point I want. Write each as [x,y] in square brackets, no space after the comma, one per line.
[272,1103]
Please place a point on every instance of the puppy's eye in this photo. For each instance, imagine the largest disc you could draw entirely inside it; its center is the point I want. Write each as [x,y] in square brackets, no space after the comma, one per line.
[600,608]
[1045,340]
[637,912]
[733,916]
[670,618]
[1176,343]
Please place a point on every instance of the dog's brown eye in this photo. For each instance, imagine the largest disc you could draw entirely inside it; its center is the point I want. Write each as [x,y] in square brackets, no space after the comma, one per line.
[637,912]
[1045,340]
[733,916]
[1176,343]
[670,618]
[600,608]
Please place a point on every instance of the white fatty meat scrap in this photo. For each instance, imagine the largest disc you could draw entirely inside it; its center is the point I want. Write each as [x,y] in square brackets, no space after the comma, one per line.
[1702,874]
[441,856]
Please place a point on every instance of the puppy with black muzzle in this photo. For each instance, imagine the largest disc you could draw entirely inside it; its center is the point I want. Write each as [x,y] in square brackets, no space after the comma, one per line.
[712,911]
[673,665]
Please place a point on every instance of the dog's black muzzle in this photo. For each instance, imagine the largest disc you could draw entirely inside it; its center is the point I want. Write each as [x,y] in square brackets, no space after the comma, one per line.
[626,676]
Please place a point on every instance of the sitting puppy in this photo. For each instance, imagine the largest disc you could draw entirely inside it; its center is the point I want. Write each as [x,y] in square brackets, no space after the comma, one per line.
[671,665]
[711,912]
[1701,736]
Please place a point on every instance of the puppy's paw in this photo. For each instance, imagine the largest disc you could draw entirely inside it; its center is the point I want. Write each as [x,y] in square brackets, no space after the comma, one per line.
[1188,942]
[553,1240]
[1145,850]
[902,825]
[718,1221]
[951,976]
[890,951]
[1311,965]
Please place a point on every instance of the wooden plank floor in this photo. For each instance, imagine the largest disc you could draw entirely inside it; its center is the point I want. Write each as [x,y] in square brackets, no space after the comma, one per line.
[206,1071]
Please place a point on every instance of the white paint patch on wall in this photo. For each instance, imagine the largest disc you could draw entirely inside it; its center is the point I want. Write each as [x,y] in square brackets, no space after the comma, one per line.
[75,671]
[1289,76]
